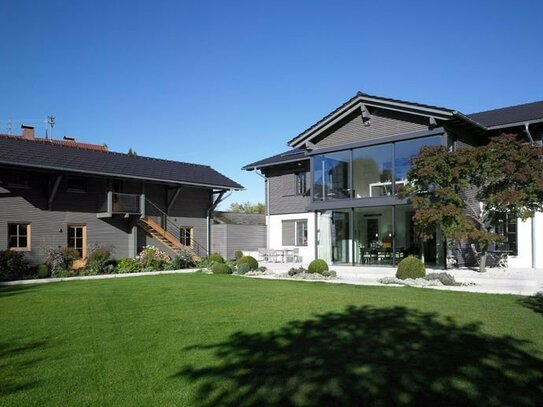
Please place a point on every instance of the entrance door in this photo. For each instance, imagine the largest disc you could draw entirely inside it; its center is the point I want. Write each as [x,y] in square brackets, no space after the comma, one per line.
[341,237]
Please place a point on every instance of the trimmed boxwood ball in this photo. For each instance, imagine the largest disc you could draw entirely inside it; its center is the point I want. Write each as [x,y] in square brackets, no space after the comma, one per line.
[410,267]
[216,257]
[251,261]
[317,266]
[221,268]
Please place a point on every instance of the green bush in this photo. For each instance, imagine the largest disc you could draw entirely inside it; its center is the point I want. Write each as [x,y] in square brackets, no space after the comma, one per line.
[221,268]
[183,260]
[98,259]
[243,268]
[216,258]
[238,254]
[317,266]
[153,258]
[251,261]
[61,259]
[410,267]
[128,265]
[13,266]
[293,271]
[43,271]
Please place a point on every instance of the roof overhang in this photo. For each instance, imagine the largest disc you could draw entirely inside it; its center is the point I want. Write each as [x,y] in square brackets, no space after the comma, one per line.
[106,174]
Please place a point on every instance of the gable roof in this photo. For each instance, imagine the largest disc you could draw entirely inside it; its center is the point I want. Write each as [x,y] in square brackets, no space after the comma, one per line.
[518,114]
[296,154]
[40,153]
[355,103]
[236,218]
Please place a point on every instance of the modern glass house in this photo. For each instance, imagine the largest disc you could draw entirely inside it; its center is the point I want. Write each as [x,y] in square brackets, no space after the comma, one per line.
[333,194]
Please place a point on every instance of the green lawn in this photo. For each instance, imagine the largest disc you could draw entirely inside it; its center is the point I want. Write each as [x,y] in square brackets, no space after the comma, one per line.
[211,340]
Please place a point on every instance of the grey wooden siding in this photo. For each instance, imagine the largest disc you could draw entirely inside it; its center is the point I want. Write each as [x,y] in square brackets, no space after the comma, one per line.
[226,239]
[49,227]
[283,198]
[382,124]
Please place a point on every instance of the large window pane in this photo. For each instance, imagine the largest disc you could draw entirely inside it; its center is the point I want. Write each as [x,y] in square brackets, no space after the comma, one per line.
[373,234]
[331,176]
[405,150]
[372,171]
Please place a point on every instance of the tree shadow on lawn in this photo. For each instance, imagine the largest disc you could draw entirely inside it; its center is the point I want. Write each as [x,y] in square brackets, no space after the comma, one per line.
[535,303]
[10,290]
[14,361]
[369,356]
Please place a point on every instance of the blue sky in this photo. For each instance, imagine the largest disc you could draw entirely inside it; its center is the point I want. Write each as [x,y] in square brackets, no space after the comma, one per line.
[226,83]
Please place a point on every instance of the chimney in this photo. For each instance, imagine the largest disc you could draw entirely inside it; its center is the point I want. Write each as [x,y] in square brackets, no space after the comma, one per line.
[28,132]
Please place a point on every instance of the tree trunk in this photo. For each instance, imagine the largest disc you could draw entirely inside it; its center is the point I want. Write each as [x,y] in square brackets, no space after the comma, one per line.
[482,262]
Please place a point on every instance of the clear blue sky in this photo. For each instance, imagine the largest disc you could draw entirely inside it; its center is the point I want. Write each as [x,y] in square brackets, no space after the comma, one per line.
[226,83]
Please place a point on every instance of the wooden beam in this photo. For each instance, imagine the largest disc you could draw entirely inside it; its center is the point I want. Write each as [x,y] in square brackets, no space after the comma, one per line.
[172,199]
[53,192]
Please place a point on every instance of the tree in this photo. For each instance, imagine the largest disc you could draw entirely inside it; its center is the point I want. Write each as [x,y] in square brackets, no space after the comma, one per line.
[132,153]
[465,193]
[247,207]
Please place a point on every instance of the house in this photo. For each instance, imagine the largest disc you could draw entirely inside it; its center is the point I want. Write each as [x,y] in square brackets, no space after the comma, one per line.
[233,231]
[56,193]
[333,193]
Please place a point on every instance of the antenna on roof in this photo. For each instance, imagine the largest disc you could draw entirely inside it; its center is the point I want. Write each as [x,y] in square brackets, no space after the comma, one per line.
[51,124]
[8,127]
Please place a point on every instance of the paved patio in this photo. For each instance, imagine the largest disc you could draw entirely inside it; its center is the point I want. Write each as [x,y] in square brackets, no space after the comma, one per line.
[497,281]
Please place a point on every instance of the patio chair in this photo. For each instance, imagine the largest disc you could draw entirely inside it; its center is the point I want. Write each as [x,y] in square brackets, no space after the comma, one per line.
[262,254]
[294,255]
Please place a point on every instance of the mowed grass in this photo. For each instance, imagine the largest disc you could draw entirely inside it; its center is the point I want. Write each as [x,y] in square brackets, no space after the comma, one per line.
[223,340]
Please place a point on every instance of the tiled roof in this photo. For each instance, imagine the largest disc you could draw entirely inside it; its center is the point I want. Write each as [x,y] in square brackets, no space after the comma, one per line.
[236,218]
[295,154]
[47,155]
[509,115]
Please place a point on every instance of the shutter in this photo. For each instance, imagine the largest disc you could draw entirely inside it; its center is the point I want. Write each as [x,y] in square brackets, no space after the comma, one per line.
[288,235]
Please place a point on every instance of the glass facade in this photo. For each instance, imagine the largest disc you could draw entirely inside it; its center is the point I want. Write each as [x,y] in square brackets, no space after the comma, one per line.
[373,169]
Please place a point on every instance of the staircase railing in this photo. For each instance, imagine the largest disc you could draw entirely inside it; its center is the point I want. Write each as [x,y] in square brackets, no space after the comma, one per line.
[169,226]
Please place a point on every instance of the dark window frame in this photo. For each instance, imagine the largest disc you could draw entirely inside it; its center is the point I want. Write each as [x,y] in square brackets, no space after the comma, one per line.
[301,183]
[77,189]
[297,235]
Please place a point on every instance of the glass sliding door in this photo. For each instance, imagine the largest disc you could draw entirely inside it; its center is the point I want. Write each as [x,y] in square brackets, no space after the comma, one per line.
[373,236]
[334,243]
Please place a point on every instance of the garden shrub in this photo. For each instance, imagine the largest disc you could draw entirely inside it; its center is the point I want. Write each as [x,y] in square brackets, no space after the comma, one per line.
[61,259]
[182,261]
[221,268]
[243,268]
[444,278]
[153,258]
[128,265]
[97,260]
[13,266]
[238,254]
[251,261]
[216,258]
[317,266]
[293,271]
[43,271]
[329,273]
[410,267]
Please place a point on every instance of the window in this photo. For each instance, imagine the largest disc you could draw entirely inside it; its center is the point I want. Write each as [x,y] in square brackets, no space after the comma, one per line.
[77,239]
[294,232]
[19,236]
[507,227]
[404,151]
[331,176]
[372,171]
[300,183]
[76,184]
[185,235]
[301,233]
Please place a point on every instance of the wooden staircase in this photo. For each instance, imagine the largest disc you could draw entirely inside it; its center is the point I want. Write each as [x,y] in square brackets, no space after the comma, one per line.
[166,238]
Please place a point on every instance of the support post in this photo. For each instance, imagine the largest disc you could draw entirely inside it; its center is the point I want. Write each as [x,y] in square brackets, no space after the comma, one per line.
[54,192]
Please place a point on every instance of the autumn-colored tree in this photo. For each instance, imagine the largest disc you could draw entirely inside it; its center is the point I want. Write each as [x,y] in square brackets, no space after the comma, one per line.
[464,193]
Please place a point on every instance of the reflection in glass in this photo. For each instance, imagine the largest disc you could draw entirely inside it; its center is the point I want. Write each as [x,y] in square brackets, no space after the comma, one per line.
[405,150]
[372,171]
[331,176]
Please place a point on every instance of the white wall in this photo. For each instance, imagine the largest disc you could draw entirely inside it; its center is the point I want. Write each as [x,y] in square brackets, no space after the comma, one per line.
[524,258]
[276,228]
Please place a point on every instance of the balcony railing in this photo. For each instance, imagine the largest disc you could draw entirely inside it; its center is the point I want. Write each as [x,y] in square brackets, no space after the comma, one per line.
[119,203]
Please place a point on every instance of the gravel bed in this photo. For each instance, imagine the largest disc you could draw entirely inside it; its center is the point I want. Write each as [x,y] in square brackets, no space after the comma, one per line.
[416,282]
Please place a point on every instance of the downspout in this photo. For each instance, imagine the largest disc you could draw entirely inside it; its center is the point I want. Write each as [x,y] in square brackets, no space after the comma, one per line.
[219,199]
[267,189]
[527,130]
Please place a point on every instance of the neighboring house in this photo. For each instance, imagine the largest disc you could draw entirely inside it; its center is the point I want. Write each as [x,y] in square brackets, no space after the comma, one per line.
[233,231]
[333,194]
[63,193]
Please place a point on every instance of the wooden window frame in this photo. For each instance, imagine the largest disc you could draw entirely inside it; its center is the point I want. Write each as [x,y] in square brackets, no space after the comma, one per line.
[28,246]
[182,237]
[83,240]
